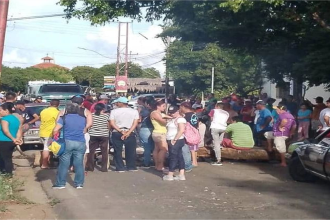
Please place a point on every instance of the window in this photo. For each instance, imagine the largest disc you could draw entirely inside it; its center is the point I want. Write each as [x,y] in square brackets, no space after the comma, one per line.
[60,88]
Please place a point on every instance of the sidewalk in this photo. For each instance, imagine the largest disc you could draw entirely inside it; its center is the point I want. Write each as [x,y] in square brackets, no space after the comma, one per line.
[38,204]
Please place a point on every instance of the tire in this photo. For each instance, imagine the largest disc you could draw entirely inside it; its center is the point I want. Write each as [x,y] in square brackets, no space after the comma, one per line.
[298,172]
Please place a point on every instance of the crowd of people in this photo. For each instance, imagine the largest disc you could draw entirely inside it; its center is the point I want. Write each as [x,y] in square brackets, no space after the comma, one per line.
[170,132]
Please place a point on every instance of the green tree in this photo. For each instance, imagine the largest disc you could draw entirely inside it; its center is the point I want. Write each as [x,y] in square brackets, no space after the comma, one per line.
[88,76]
[134,71]
[191,69]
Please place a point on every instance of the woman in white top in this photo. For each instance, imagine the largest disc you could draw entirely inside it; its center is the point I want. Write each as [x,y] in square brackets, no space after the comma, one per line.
[175,140]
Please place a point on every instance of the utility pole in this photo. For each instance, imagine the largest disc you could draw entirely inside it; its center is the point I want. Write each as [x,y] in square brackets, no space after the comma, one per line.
[122,60]
[212,86]
[167,41]
[4,5]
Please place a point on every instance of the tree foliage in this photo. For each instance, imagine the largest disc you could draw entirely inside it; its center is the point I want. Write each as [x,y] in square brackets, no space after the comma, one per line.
[191,69]
[291,37]
[16,79]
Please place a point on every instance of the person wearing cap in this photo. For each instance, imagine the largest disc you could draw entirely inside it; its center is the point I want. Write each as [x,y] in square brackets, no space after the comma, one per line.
[48,118]
[263,123]
[104,99]
[246,113]
[29,116]
[283,129]
[38,99]
[317,108]
[123,121]
[325,116]
[74,121]
[175,139]
[88,101]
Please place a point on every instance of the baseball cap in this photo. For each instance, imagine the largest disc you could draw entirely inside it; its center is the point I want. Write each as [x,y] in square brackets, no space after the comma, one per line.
[260,102]
[172,109]
[103,97]
[280,107]
[122,100]
[39,97]
[1,96]
[77,99]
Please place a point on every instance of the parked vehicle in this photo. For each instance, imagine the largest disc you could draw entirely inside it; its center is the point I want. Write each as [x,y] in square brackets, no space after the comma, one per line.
[133,102]
[61,91]
[32,135]
[311,159]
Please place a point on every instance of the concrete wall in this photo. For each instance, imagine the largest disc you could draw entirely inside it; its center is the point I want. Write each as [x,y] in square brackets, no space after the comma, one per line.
[311,93]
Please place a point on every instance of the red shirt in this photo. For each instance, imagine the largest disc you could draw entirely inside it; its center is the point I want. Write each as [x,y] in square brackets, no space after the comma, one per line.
[87,104]
[92,110]
[247,118]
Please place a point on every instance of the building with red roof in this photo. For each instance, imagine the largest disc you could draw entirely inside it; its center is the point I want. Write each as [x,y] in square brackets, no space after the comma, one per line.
[48,63]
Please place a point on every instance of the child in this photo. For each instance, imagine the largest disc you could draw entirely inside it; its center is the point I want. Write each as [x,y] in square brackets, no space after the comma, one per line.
[202,130]
[304,116]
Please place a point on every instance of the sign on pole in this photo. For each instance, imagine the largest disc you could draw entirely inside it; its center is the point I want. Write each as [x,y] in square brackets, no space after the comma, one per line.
[121,84]
[109,82]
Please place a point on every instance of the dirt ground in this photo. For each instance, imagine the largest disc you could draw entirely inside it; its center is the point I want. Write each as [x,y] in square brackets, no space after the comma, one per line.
[33,211]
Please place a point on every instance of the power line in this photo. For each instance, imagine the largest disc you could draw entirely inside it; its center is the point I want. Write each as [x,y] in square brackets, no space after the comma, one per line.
[34,17]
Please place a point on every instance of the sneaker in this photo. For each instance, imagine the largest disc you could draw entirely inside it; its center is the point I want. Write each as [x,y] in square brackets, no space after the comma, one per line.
[188,171]
[58,187]
[168,178]
[120,171]
[218,163]
[180,177]
[133,170]
[79,187]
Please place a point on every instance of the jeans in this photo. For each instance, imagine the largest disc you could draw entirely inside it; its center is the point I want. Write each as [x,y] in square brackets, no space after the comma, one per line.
[187,157]
[130,151]
[217,135]
[6,156]
[94,143]
[76,150]
[175,155]
[147,144]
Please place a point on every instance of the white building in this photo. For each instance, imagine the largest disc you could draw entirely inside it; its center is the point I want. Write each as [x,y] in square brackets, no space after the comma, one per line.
[278,93]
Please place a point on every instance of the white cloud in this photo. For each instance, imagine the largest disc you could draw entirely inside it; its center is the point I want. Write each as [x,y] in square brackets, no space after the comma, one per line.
[145,44]
[12,58]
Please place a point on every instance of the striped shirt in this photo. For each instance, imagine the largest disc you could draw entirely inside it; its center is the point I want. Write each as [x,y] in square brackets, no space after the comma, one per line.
[100,125]
[241,135]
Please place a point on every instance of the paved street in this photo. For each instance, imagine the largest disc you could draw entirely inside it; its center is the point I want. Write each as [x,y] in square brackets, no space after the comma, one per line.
[235,190]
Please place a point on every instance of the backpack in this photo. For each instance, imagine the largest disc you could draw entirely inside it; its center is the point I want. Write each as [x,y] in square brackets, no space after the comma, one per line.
[191,135]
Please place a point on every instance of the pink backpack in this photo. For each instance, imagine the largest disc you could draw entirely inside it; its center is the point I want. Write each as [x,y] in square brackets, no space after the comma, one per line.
[191,135]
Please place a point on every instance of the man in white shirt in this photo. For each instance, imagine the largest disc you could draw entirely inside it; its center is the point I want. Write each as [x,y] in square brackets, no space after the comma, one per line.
[219,118]
[325,116]
[124,120]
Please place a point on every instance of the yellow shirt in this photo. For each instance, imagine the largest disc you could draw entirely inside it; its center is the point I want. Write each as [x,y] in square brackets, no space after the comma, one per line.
[158,128]
[48,118]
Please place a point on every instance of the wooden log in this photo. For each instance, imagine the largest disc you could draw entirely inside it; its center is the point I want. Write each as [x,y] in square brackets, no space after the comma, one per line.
[256,153]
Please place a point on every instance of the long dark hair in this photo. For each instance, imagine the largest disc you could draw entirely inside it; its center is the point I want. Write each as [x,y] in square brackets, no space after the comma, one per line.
[155,103]
[8,106]
[98,108]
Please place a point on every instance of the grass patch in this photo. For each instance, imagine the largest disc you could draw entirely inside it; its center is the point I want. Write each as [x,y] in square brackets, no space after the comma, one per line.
[54,202]
[9,192]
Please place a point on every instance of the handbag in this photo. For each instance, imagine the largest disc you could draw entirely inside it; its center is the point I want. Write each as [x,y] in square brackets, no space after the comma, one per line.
[57,145]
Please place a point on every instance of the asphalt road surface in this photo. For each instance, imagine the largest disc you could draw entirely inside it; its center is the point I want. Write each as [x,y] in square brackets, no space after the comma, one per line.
[236,190]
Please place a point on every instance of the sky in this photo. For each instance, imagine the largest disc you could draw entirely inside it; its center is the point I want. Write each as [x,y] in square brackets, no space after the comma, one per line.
[27,41]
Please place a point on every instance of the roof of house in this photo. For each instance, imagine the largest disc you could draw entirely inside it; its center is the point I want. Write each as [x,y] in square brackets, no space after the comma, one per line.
[48,65]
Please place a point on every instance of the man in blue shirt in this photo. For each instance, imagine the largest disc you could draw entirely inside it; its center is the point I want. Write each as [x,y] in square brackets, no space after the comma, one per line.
[264,123]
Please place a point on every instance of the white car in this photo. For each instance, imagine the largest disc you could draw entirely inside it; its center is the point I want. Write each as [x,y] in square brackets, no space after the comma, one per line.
[133,102]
